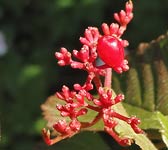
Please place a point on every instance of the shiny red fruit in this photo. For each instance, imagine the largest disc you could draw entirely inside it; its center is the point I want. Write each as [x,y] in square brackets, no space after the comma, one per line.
[111,51]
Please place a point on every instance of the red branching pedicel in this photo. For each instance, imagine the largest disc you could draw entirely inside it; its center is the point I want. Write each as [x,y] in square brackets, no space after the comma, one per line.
[110,48]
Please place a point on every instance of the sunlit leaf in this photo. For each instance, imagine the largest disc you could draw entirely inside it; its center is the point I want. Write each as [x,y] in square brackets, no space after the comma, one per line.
[126,131]
[51,114]
[163,120]
[146,83]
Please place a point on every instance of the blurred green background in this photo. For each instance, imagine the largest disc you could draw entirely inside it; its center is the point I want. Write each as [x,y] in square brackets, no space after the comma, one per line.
[30,33]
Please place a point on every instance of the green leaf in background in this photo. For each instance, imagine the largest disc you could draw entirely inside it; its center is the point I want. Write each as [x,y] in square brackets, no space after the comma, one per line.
[133,92]
[148,119]
[164,124]
[145,85]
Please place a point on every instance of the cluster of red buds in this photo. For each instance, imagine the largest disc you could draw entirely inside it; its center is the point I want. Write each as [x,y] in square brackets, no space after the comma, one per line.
[108,47]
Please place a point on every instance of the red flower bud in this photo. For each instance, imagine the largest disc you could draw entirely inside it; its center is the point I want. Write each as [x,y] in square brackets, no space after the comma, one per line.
[61,126]
[75,125]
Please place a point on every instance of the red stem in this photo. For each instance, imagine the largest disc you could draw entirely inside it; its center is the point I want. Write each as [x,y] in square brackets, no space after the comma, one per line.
[97,81]
[94,121]
[119,116]
[93,108]
[108,78]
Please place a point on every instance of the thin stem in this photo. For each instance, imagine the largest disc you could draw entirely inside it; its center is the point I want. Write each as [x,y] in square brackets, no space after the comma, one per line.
[121,141]
[94,121]
[93,108]
[97,81]
[48,141]
[119,116]
[108,78]
[58,138]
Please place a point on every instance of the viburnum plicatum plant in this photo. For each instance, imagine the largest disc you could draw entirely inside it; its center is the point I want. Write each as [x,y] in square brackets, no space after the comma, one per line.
[109,47]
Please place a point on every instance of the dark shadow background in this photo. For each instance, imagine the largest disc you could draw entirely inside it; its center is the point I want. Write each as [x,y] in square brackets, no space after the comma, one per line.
[30,33]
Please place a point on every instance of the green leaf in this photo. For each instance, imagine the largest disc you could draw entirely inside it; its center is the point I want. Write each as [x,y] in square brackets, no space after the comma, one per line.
[148,119]
[164,124]
[126,131]
[133,92]
[51,114]
[145,85]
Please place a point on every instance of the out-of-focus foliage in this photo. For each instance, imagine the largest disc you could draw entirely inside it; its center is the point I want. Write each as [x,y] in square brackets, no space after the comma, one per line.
[33,31]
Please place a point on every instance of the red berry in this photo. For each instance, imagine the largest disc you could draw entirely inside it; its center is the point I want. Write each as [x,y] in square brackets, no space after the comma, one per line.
[111,51]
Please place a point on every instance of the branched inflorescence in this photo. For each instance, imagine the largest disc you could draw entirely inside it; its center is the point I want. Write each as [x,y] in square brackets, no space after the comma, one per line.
[109,47]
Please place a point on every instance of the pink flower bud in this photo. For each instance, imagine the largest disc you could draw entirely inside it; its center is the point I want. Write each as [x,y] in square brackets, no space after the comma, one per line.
[64,57]
[119,98]
[46,136]
[88,35]
[77,65]
[133,121]
[84,41]
[91,37]
[77,87]
[65,113]
[97,102]
[61,126]
[114,29]
[82,111]
[83,54]
[105,29]
[75,125]
[129,7]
